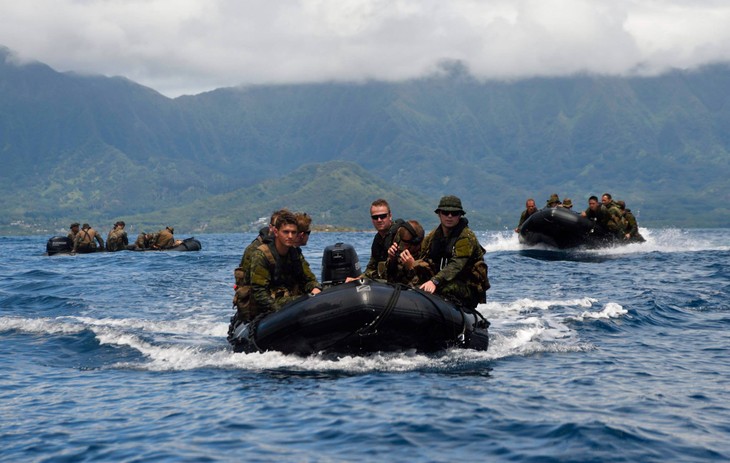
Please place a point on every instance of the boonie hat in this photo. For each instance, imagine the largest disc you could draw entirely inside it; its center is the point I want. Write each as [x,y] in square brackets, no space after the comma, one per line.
[75,224]
[450,204]
[172,229]
[554,199]
[567,202]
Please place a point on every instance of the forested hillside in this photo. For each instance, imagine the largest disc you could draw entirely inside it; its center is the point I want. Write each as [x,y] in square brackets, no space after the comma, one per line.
[95,148]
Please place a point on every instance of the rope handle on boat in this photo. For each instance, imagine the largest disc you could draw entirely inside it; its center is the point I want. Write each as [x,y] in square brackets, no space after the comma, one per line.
[372,327]
[376,322]
[252,328]
[479,319]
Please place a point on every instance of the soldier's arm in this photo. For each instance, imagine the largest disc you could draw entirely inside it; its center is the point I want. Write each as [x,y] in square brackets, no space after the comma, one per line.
[261,282]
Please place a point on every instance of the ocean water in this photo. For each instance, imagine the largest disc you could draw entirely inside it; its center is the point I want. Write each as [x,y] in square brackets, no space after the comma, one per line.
[602,356]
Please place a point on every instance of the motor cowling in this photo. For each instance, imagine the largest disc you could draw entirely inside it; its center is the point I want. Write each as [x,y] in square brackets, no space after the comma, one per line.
[339,261]
[59,244]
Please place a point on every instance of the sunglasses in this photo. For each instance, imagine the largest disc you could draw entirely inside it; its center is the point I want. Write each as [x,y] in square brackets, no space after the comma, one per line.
[450,213]
[379,216]
[306,232]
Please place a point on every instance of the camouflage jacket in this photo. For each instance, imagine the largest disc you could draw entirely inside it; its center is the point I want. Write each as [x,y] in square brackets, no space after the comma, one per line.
[452,263]
[612,218]
[145,240]
[116,240]
[631,226]
[396,272]
[263,237]
[378,254]
[524,216]
[165,239]
[272,286]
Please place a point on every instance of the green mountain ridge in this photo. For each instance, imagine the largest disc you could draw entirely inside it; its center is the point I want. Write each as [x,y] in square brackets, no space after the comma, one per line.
[93,148]
[302,190]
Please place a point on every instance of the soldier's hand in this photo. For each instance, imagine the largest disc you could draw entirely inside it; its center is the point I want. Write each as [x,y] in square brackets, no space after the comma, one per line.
[393,250]
[428,286]
[407,259]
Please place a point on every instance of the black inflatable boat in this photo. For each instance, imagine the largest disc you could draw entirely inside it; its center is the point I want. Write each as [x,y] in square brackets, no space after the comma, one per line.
[64,245]
[562,228]
[188,244]
[360,317]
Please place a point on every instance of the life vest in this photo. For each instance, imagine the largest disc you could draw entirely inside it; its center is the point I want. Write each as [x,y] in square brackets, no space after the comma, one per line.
[243,300]
[476,272]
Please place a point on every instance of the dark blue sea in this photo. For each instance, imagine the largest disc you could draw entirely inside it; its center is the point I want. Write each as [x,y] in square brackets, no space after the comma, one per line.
[596,356]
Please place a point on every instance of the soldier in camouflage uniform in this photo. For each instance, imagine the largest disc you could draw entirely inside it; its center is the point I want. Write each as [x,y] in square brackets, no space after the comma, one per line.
[242,275]
[593,212]
[553,202]
[74,231]
[530,208]
[145,240]
[631,227]
[86,240]
[117,239]
[456,257]
[612,219]
[165,239]
[266,235]
[279,273]
[403,265]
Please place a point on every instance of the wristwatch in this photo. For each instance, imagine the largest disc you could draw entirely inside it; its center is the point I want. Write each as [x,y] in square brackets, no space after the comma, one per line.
[435,281]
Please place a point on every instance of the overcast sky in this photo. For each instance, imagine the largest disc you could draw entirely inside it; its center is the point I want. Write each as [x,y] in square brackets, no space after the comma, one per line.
[191,46]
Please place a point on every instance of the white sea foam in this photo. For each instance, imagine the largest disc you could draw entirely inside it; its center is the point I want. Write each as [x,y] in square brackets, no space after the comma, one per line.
[39,325]
[657,240]
[500,241]
[182,326]
[520,327]
[611,310]
[528,326]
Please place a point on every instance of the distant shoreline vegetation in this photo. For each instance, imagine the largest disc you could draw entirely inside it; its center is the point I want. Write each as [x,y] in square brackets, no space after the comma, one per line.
[181,230]
[19,228]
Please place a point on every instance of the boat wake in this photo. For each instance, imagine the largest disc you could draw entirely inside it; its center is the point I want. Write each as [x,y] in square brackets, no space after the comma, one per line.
[668,240]
[519,328]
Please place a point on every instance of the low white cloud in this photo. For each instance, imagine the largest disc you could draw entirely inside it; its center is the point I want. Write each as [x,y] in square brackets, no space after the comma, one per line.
[190,46]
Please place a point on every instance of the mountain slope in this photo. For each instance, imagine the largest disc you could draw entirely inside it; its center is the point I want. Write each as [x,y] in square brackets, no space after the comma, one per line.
[88,146]
[345,187]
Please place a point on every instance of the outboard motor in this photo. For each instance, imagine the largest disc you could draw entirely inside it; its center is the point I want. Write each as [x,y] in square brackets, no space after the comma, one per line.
[339,261]
[59,244]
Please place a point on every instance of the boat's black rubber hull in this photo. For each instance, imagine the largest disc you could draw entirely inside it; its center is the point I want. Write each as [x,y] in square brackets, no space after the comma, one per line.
[62,245]
[188,244]
[562,228]
[355,318]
